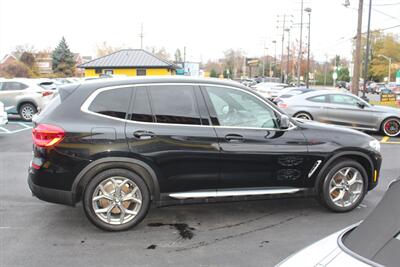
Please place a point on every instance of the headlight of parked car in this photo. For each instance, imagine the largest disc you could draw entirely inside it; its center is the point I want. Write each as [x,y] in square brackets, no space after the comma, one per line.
[375,144]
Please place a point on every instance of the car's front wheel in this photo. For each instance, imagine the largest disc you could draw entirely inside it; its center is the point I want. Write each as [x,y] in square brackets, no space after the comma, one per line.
[344,186]
[116,200]
[303,115]
[26,111]
[391,127]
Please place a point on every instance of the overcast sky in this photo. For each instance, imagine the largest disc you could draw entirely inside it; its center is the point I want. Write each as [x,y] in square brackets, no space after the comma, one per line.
[206,28]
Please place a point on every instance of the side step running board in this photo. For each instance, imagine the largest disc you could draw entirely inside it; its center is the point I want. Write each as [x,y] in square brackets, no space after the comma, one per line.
[236,192]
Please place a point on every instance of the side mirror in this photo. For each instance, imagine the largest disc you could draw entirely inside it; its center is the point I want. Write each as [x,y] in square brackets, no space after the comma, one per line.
[360,105]
[284,122]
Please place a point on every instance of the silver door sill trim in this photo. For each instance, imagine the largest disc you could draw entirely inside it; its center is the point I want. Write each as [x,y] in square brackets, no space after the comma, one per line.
[235,192]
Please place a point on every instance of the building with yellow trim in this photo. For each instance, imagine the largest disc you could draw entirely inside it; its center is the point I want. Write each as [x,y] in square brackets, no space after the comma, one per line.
[130,62]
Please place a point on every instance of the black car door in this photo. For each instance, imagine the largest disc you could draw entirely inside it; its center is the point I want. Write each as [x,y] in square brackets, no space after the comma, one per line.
[254,151]
[172,131]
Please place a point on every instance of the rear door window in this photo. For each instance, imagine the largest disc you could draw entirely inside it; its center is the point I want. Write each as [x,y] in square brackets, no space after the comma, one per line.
[174,104]
[112,103]
[13,86]
[319,99]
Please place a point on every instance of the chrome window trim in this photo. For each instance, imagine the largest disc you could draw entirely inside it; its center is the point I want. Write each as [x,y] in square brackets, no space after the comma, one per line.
[89,100]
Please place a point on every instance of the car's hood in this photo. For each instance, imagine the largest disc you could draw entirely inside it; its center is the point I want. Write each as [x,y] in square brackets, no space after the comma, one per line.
[387,109]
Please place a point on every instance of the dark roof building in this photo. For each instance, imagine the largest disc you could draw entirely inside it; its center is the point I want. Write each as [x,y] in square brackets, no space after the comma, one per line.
[130,62]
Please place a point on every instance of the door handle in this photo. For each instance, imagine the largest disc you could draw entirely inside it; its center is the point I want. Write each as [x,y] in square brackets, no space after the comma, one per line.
[144,135]
[234,138]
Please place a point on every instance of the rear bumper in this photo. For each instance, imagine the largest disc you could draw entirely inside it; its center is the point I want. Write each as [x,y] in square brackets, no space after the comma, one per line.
[50,194]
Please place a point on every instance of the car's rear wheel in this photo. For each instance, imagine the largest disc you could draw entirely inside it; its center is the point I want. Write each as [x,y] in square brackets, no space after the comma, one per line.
[26,111]
[303,115]
[391,127]
[116,200]
[344,186]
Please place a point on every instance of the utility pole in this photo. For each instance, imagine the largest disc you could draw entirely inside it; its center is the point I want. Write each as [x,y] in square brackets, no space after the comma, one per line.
[263,63]
[288,56]
[366,62]
[308,10]
[284,26]
[274,42]
[355,82]
[283,44]
[326,69]
[300,45]
[141,36]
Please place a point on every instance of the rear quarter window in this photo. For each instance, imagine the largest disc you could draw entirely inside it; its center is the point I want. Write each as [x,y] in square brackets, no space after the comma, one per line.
[112,103]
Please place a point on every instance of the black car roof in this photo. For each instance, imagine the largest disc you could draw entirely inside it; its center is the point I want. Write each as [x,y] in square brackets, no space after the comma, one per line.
[377,237]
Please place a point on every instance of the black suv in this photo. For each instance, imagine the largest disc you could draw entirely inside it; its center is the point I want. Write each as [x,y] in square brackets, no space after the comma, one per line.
[120,145]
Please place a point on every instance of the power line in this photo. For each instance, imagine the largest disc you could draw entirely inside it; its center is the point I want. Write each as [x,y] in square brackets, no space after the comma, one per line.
[387,4]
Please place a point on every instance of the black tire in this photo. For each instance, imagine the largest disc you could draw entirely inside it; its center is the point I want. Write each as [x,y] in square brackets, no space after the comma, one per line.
[387,131]
[26,111]
[304,115]
[91,187]
[323,187]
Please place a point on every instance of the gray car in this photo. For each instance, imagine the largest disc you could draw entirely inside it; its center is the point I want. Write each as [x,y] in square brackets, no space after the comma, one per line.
[343,109]
[25,96]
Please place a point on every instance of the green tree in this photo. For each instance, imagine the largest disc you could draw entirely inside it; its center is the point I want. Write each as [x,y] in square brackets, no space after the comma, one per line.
[213,73]
[389,46]
[343,74]
[63,59]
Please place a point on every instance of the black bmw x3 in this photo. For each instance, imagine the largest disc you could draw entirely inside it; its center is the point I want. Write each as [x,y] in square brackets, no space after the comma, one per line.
[123,145]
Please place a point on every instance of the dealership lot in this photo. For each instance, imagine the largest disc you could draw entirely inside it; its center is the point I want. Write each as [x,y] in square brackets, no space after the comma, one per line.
[36,233]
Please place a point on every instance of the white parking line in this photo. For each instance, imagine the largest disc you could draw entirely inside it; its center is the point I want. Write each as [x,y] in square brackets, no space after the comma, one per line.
[4,130]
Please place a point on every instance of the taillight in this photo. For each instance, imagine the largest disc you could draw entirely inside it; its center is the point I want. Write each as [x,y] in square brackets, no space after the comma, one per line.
[46,93]
[282,105]
[45,135]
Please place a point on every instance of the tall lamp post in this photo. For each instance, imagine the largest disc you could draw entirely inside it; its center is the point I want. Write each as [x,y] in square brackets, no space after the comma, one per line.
[390,64]
[274,42]
[308,10]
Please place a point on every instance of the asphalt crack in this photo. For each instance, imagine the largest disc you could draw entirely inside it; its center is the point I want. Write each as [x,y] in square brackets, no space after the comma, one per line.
[217,240]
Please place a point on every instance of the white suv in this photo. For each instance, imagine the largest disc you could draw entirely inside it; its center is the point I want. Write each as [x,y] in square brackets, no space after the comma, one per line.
[24,96]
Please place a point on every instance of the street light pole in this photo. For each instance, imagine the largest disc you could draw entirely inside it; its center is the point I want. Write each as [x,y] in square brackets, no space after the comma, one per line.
[300,45]
[308,10]
[390,64]
[367,51]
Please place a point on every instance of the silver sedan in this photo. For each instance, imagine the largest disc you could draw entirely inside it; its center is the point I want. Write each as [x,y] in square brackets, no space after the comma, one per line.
[343,109]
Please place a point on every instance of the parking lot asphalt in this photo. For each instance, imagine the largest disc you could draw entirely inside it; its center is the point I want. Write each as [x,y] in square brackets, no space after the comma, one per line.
[255,233]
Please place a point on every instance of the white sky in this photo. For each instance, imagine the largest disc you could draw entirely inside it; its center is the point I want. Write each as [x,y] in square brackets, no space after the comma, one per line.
[206,28]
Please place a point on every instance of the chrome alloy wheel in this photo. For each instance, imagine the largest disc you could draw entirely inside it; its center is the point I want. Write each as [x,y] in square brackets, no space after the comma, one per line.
[303,116]
[27,112]
[116,200]
[346,187]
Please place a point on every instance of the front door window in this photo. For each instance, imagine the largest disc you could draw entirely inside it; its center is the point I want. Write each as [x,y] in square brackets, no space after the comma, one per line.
[236,108]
